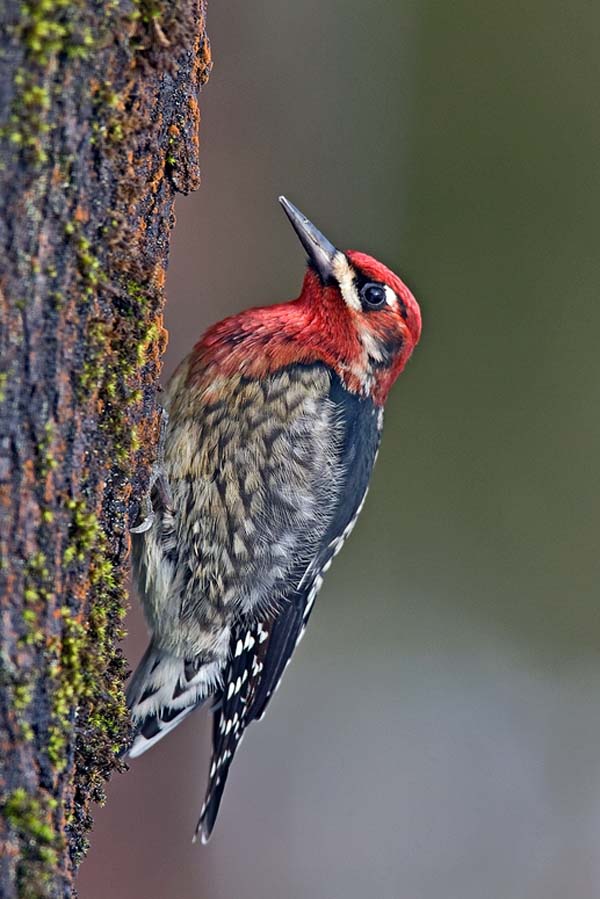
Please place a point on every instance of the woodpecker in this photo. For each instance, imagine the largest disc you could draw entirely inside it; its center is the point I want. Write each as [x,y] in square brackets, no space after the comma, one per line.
[274,422]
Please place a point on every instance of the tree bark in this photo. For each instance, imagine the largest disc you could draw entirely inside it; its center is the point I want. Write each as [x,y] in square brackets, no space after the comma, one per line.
[98,104]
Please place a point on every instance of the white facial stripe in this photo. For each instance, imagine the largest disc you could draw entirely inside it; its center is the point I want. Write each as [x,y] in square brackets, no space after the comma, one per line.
[344,275]
[371,345]
[390,297]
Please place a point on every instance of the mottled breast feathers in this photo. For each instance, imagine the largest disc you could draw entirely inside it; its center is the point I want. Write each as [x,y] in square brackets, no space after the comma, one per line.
[256,496]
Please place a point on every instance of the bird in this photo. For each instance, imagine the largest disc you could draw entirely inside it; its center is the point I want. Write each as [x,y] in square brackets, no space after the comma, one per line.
[273,424]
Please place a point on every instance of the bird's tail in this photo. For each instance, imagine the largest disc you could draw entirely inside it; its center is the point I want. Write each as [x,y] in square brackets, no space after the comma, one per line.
[163,691]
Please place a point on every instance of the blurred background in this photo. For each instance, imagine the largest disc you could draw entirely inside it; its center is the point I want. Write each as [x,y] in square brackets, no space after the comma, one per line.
[438,732]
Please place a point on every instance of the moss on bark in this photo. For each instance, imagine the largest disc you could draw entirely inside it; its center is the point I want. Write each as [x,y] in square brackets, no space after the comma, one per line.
[98,130]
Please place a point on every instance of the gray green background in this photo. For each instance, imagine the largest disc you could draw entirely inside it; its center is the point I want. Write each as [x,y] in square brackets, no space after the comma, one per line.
[438,733]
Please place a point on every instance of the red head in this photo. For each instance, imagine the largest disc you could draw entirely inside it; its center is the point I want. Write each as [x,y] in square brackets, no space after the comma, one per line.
[353,314]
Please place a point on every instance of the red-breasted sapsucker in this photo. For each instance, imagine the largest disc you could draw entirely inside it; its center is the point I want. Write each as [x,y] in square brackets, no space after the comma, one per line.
[274,421]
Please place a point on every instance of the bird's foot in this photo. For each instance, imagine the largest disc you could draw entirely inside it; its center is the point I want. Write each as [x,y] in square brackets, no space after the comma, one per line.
[158,484]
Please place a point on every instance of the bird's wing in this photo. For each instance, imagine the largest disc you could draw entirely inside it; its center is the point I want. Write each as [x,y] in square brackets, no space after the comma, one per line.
[261,647]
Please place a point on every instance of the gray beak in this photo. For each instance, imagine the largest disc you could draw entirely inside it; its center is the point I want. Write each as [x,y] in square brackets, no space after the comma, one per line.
[320,251]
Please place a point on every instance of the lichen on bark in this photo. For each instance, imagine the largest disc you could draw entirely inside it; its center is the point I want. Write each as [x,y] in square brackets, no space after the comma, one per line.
[98,130]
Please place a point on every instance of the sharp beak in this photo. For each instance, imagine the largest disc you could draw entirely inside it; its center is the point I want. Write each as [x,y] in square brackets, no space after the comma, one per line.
[320,251]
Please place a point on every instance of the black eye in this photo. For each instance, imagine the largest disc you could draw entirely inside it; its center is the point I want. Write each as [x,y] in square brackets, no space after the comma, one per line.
[372,296]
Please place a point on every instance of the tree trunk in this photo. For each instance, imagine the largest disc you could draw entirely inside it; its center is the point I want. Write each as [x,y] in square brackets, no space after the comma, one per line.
[99,131]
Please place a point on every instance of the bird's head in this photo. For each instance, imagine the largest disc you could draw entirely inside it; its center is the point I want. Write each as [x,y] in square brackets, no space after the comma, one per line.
[364,312]
[353,314]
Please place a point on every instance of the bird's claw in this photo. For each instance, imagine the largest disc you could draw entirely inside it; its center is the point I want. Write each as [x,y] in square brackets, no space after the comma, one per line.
[148,520]
[158,482]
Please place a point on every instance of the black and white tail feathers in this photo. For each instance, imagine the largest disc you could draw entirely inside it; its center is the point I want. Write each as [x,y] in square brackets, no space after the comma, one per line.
[259,656]
[163,691]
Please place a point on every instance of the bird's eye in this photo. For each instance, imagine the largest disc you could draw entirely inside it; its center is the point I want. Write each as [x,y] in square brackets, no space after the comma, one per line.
[372,296]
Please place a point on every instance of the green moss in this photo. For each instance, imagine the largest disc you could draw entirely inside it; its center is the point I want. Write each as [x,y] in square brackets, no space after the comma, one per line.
[136,292]
[37,585]
[84,675]
[111,384]
[37,563]
[67,674]
[113,360]
[30,822]
[147,10]
[94,368]
[87,669]
[148,336]
[36,96]
[43,36]
[115,131]
[89,264]
[27,732]
[45,461]
[110,121]
[47,29]
[83,532]
[50,27]
[135,440]
[103,722]
[25,814]
[22,696]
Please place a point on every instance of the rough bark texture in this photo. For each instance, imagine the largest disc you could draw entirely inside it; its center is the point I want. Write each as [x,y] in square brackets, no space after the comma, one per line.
[98,103]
